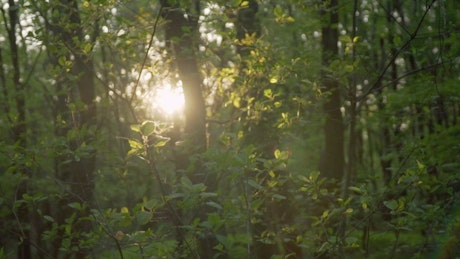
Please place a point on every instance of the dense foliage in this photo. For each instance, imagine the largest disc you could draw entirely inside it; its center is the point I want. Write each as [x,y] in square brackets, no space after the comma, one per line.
[310,129]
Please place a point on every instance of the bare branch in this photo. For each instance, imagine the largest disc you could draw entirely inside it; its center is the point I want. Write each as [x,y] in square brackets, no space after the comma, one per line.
[377,84]
[155,25]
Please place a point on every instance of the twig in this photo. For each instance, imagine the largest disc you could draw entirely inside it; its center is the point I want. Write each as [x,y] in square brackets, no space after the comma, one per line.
[377,82]
[157,19]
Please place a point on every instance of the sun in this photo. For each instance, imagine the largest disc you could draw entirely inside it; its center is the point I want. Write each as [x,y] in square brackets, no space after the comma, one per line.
[168,100]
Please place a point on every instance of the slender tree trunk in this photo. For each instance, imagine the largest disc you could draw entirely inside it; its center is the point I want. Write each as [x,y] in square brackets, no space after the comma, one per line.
[389,135]
[385,159]
[333,156]
[353,114]
[19,127]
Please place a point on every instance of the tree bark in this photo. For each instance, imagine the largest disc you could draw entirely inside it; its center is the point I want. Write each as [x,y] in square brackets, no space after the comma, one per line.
[180,35]
[333,156]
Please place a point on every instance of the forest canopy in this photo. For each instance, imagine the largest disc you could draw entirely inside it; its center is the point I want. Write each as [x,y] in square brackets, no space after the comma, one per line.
[229,129]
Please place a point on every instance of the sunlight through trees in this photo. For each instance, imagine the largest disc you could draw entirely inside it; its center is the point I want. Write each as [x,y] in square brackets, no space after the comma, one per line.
[229,129]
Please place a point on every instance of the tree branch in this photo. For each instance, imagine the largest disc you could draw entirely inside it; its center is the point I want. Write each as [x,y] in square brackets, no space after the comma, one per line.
[155,25]
[377,84]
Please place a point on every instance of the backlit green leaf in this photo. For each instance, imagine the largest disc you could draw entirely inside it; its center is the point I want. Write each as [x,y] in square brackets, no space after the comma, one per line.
[135,144]
[136,128]
[147,128]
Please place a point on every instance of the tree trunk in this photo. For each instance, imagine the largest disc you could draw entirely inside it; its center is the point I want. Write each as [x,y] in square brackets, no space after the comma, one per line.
[181,35]
[333,156]
[18,128]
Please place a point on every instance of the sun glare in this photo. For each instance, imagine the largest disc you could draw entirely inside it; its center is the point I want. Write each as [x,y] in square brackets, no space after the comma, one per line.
[168,100]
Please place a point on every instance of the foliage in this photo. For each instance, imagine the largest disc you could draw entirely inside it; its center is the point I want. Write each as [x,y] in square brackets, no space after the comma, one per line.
[90,168]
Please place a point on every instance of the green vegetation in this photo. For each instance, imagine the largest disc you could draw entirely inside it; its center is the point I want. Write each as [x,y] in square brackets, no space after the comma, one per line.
[292,129]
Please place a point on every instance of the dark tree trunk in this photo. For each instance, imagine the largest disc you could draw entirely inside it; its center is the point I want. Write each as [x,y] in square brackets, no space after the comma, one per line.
[18,128]
[385,133]
[180,34]
[333,129]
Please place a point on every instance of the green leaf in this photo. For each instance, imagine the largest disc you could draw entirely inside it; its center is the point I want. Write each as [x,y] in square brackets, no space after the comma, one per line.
[75,205]
[348,68]
[150,204]
[392,205]
[176,195]
[161,143]
[62,61]
[237,102]
[143,217]
[135,144]
[68,230]
[87,48]
[48,218]
[147,128]
[136,128]
[281,155]
[185,181]
[349,211]
[124,210]
[277,154]
[268,93]
[132,152]
[289,19]
[420,166]
[279,196]
[355,189]
[278,11]
[208,194]
[254,184]
[214,205]
[345,38]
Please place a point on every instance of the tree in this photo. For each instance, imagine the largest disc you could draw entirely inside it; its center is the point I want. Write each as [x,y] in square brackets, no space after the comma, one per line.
[180,35]
[89,169]
[332,165]
[16,116]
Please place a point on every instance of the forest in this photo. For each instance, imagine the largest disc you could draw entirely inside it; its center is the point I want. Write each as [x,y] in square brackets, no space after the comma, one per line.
[228,129]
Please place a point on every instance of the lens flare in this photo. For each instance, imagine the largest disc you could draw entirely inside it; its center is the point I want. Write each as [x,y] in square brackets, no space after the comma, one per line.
[168,100]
